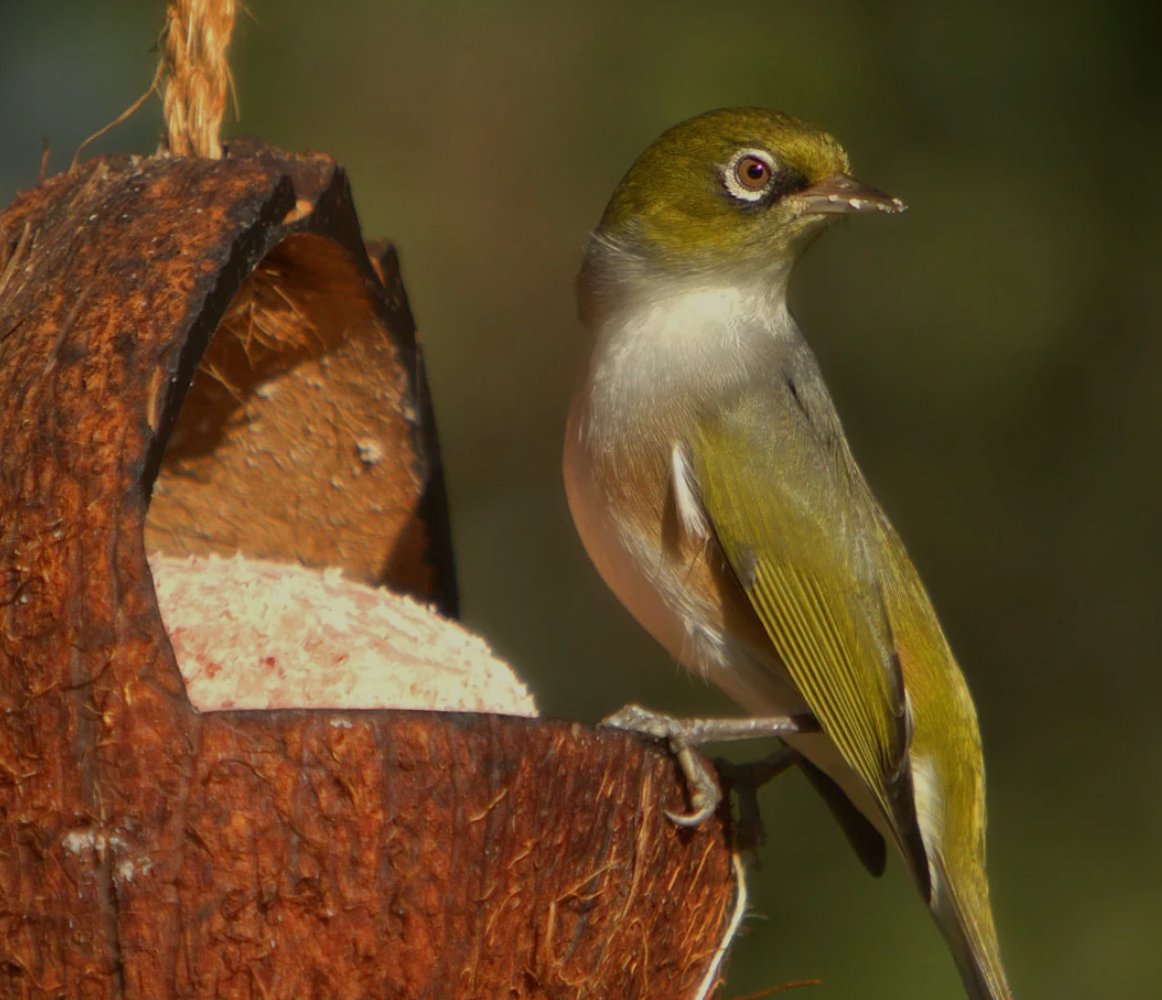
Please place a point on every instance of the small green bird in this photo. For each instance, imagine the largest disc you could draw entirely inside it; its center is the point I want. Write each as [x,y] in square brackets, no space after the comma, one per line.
[711,483]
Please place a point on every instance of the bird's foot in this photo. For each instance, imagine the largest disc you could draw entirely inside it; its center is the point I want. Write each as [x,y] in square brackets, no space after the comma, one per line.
[684,735]
[745,780]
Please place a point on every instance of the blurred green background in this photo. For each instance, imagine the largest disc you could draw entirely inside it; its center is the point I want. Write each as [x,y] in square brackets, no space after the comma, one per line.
[995,354]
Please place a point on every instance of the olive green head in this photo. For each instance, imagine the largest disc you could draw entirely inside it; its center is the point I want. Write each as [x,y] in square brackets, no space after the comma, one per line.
[732,185]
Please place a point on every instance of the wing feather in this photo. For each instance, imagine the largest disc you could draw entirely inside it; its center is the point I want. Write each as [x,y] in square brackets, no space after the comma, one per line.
[785,504]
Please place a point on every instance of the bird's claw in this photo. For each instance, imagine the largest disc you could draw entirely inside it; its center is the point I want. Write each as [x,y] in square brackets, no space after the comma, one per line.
[684,735]
[703,788]
[705,794]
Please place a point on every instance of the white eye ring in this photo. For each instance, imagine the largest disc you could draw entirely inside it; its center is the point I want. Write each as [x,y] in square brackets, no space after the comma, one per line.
[736,188]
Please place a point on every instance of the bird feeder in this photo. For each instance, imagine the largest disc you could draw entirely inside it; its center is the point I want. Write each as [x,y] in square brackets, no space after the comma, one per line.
[203,364]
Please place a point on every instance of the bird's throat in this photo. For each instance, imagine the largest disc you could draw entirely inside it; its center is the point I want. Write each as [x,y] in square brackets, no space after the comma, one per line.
[683,341]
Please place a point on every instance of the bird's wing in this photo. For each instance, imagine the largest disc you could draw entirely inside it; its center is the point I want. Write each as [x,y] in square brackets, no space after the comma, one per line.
[797,524]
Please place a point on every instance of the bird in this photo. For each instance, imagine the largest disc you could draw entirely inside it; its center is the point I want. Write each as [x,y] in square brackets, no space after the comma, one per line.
[712,485]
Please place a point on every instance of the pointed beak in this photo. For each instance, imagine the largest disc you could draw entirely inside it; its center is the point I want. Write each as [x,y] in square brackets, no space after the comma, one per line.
[844,195]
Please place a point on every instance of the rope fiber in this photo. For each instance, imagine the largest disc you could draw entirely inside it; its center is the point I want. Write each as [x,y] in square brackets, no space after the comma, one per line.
[197,75]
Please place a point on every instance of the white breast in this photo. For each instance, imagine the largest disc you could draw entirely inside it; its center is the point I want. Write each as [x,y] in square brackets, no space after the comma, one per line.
[680,341]
[657,360]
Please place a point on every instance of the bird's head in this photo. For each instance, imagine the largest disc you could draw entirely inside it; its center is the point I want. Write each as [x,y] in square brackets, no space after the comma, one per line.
[730,188]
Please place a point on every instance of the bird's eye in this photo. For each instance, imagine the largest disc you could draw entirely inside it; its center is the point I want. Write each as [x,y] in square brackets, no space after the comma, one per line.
[749,175]
[752,173]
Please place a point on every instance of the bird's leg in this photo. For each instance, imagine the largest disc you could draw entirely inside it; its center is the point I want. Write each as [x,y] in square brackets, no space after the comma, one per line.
[683,735]
[746,780]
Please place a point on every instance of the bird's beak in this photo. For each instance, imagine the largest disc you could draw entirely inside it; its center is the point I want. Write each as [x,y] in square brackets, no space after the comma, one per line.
[842,194]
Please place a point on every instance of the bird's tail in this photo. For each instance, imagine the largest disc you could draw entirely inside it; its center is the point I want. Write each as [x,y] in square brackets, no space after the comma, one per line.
[971,937]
